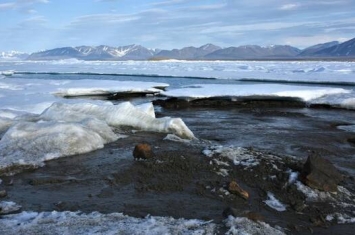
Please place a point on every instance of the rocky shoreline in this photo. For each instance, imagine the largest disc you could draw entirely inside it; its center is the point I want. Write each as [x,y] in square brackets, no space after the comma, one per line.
[206,178]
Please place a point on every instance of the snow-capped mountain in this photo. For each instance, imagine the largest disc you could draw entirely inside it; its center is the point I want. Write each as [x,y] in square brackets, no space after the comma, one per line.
[131,52]
[13,55]
[206,52]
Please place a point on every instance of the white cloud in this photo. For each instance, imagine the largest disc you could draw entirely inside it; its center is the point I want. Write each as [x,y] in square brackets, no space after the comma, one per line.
[103,19]
[7,6]
[20,4]
[287,7]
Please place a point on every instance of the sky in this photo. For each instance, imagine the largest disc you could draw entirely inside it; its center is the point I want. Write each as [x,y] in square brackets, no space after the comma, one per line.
[34,25]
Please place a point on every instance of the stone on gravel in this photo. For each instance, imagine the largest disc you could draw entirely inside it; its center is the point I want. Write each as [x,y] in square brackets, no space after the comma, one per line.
[3,193]
[230,211]
[234,188]
[143,151]
[254,216]
[319,173]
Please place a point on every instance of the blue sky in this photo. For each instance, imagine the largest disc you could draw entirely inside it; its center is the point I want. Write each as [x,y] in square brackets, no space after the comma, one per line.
[33,25]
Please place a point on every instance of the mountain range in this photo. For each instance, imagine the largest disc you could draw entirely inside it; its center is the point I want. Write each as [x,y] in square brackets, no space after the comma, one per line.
[329,50]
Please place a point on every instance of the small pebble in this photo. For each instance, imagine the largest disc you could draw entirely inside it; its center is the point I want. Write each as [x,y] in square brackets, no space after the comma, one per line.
[3,193]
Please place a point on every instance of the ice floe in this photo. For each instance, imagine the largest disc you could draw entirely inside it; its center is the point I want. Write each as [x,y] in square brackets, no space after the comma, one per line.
[35,95]
[309,94]
[305,93]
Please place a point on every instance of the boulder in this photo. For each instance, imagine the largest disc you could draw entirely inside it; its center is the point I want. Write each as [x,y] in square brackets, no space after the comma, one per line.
[234,188]
[319,173]
[143,151]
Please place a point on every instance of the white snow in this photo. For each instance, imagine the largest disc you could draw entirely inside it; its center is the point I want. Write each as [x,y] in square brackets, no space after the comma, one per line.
[176,138]
[69,129]
[341,218]
[293,177]
[244,226]
[97,223]
[290,71]
[35,95]
[238,155]
[274,203]
[313,194]
[7,207]
[305,93]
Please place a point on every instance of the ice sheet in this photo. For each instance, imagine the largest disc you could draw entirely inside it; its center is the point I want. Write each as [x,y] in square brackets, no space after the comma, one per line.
[35,95]
[290,71]
[310,94]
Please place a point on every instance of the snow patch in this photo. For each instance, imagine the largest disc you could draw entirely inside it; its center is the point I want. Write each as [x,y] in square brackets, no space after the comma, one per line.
[7,207]
[244,226]
[97,223]
[176,138]
[274,203]
[341,218]
[305,93]
[238,155]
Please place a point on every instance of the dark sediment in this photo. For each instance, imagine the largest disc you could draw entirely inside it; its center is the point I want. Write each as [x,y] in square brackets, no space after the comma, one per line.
[180,181]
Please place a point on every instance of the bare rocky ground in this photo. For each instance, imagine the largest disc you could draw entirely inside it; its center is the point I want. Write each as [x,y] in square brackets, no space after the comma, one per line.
[182,182]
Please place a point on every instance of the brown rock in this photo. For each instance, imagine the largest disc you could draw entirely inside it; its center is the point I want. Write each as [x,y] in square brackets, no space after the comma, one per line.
[254,216]
[319,173]
[143,151]
[234,188]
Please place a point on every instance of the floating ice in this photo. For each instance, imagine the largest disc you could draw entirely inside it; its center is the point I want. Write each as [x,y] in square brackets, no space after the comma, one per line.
[35,95]
[97,223]
[103,87]
[274,203]
[244,226]
[305,93]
